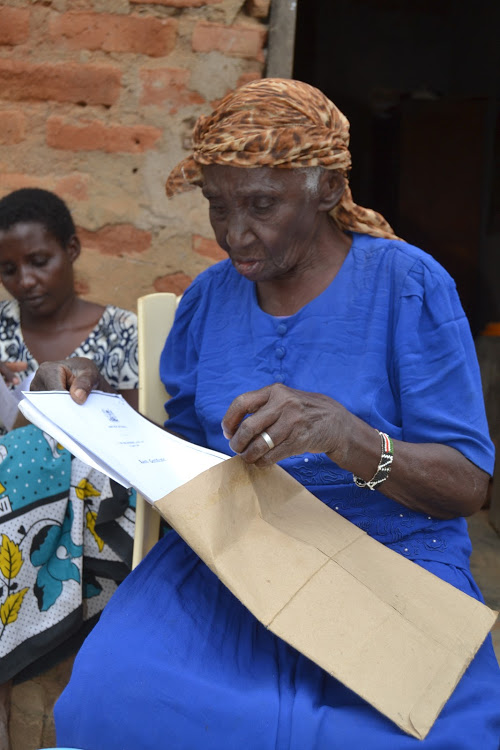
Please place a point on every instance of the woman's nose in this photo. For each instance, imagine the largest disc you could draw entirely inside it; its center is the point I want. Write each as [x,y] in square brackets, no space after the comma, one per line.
[26,278]
[238,232]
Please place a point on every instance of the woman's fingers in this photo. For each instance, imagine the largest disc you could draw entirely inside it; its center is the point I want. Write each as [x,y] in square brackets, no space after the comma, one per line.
[268,446]
[52,376]
[241,407]
[16,366]
[257,435]
[84,379]
[78,375]
[275,422]
[8,371]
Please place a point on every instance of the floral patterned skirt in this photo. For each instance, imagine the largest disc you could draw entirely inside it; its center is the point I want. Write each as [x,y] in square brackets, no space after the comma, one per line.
[66,536]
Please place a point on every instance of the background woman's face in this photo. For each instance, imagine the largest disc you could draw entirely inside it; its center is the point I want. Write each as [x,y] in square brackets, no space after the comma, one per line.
[265,219]
[34,268]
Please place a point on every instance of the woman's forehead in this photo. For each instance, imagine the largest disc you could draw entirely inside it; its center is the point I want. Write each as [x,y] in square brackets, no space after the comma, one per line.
[217,177]
[29,233]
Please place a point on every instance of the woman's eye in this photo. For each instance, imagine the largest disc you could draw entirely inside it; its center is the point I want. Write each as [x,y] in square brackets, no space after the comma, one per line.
[217,210]
[39,260]
[7,270]
[263,205]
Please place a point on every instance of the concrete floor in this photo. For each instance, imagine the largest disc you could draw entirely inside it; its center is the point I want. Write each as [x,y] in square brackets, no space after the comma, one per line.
[31,724]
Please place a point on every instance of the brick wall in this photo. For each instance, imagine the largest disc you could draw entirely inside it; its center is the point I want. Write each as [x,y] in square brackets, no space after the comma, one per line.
[97,103]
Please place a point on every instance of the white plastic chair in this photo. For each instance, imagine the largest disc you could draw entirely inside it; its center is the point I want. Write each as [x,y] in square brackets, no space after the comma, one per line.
[155,315]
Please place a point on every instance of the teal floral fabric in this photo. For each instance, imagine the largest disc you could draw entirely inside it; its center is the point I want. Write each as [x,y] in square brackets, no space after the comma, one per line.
[66,530]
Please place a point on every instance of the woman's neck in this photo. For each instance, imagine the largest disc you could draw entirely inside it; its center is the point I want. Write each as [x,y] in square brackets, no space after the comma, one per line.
[288,295]
[63,317]
[57,336]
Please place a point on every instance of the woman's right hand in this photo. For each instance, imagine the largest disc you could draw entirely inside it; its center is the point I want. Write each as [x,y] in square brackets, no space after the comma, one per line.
[9,370]
[77,375]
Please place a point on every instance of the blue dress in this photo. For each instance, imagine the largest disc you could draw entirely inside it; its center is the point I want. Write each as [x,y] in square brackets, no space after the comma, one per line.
[180,662]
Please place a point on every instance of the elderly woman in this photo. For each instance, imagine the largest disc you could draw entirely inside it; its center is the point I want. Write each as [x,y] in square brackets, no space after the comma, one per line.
[325,343]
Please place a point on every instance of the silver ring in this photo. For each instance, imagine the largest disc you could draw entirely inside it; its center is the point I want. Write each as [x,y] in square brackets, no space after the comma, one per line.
[267,439]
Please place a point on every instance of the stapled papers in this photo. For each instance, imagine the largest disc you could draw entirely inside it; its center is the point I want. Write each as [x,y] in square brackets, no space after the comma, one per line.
[111,436]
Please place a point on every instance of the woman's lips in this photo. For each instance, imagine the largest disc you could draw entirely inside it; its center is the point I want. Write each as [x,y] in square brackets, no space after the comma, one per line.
[246,266]
[34,301]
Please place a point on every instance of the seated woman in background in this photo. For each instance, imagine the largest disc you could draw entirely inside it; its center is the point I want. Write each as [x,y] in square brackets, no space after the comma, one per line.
[66,530]
[326,344]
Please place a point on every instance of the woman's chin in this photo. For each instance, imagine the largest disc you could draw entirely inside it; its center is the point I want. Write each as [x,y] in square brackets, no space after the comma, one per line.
[38,304]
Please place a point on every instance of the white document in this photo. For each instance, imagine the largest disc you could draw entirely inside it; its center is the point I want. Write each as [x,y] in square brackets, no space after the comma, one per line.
[108,434]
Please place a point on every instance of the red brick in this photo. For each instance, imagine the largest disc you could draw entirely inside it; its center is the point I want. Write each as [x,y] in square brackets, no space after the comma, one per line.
[116,239]
[172,282]
[10,181]
[71,187]
[245,78]
[12,127]
[258,8]
[82,287]
[208,248]
[69,82]
[236,41]
[14,25]
[113,33]
[178,3]
[92,135]
[168,87]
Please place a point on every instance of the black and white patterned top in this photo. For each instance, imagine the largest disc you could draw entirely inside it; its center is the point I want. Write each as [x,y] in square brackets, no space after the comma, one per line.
[112,344]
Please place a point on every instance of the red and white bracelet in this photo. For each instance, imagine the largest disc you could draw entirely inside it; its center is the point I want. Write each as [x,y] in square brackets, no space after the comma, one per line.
[384,465]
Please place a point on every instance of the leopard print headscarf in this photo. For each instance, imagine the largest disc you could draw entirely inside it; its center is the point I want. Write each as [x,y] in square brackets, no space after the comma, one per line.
[275,122]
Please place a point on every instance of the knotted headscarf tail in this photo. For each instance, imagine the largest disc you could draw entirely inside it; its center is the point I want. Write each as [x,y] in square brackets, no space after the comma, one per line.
[277,122]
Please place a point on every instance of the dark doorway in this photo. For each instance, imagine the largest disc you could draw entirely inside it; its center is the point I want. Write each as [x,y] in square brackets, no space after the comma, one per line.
[419,81]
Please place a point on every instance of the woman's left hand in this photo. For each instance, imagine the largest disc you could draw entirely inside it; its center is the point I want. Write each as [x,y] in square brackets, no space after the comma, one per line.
[293,421]
[9,370]
[276,422]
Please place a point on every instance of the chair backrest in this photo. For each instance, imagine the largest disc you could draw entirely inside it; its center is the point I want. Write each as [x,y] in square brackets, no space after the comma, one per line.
[155,315]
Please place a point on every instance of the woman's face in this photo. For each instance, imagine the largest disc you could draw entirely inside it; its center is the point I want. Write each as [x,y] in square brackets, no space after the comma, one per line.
[35,269]
[267,220]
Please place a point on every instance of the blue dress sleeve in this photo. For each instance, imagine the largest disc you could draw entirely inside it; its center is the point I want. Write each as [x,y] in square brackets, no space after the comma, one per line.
[436,371]
[179,366]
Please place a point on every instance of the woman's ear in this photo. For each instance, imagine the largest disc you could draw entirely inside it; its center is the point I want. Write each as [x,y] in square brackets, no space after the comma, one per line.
[332,187]
[73,248]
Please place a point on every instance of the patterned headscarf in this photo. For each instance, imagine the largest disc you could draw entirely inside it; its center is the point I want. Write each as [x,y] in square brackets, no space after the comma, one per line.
[275,122]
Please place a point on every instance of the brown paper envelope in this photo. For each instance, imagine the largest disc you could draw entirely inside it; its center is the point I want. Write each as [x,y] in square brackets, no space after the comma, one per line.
[397,635]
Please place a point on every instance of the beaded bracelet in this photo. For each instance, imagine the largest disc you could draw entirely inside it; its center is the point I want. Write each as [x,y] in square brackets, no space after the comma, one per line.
[384,465]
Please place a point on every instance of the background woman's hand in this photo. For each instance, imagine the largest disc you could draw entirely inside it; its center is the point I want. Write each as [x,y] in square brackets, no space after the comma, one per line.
[9,370]
[77,375]
[296,421]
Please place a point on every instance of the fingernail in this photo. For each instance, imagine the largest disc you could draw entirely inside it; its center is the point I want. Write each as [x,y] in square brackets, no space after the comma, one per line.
[80,394]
